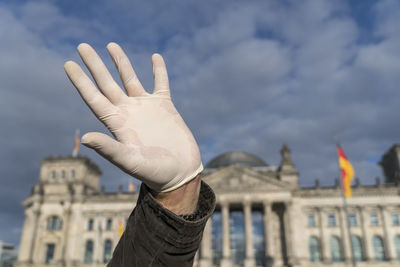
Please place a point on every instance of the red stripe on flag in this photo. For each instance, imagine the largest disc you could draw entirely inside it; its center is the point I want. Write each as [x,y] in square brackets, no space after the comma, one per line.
[344,180]
[341,152]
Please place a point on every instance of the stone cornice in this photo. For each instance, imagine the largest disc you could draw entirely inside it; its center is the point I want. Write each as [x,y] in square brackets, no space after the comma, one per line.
[111,197]
[360,191]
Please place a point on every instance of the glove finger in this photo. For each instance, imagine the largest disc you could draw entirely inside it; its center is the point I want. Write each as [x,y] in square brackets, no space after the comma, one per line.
[100,73]
[126,72]
[161,84]
[106,146]
[96,101]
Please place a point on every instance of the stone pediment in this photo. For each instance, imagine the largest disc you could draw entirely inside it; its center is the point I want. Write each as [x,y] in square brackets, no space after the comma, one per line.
[242,179]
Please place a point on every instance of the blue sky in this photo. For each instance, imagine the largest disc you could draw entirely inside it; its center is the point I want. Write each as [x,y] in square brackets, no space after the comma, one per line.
[245,75]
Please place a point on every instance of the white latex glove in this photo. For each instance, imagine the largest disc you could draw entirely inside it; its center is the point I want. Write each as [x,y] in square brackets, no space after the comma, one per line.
[152,142]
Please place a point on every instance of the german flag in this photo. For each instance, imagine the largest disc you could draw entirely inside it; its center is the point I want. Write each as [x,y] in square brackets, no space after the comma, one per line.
[131,186]
[120,228]
[76,145]
[347,171]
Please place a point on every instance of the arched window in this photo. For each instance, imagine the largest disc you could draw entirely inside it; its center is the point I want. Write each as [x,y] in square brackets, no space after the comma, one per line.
[379,249]
[397,245]
[73,174]
[53,174]
[315,249]
[54,223]
[107,251]
[88,252]
[357,248]
[336,249]
[63,174]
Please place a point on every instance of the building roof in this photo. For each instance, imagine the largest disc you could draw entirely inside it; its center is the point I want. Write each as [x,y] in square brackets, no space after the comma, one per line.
[236,158]
[93,166]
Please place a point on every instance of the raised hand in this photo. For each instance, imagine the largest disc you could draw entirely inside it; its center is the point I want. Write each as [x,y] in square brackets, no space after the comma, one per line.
[152,142]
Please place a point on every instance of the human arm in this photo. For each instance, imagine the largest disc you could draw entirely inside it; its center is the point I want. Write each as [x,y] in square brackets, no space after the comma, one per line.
[155,236]
[152,143]
[182,200]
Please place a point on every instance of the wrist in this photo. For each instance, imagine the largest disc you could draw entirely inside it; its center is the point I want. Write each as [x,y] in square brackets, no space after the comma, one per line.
[182,200]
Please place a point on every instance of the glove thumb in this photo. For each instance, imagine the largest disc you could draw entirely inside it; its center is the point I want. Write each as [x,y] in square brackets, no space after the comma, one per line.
[103,144]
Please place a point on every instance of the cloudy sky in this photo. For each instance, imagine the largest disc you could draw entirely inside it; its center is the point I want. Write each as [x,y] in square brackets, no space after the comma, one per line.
[245,75]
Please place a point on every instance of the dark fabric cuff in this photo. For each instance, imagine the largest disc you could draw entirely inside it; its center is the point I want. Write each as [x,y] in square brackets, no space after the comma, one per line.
[171,227]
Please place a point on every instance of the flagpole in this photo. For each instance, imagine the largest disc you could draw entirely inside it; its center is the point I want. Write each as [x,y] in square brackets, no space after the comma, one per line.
[346,212]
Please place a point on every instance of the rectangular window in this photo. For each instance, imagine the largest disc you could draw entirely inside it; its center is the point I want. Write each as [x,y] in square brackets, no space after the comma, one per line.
[331,220]
[311,220]
[352,219]
[374,219]
[49,253]
[90,225]
[237,237]
[258,236]
[216,240]
[395,219]
[109,224]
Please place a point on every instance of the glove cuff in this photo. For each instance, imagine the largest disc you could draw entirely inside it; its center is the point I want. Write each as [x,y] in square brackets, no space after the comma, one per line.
[185,180]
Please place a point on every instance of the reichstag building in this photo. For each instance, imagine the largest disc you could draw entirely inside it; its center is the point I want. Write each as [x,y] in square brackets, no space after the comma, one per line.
[263,217]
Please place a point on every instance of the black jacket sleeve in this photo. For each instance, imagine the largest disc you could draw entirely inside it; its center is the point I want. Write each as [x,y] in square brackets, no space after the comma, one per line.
[155,236]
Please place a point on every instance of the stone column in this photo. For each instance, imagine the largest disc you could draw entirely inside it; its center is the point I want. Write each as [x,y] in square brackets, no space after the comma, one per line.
[249,262]
[36,232]
[367,242]
[288,233]
[269,234]
[66,226]
[76,220]
[196,259]
[99,245]
[346,247]
[387,240]
[226,248]
[206,246]
[28,235]
[324,241]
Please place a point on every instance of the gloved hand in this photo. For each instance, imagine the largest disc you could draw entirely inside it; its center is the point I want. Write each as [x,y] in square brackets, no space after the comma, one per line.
[152,142]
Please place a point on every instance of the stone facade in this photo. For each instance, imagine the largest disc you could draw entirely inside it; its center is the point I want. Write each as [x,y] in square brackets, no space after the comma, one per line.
[58,212]
[70,222]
